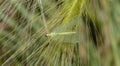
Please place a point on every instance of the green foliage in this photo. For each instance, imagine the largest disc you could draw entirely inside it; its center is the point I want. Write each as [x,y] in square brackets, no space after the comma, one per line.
[59,32]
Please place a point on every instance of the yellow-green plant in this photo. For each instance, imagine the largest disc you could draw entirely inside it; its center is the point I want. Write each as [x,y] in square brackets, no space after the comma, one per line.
[59,32]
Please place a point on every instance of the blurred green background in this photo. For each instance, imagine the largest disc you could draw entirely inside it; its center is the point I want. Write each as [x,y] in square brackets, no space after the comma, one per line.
[59,33]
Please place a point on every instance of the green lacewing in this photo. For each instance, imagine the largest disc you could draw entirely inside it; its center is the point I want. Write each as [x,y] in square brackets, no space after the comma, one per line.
[62,33]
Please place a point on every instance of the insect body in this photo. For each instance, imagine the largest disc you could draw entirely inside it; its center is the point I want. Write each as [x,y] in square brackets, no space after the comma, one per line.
[62,33]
